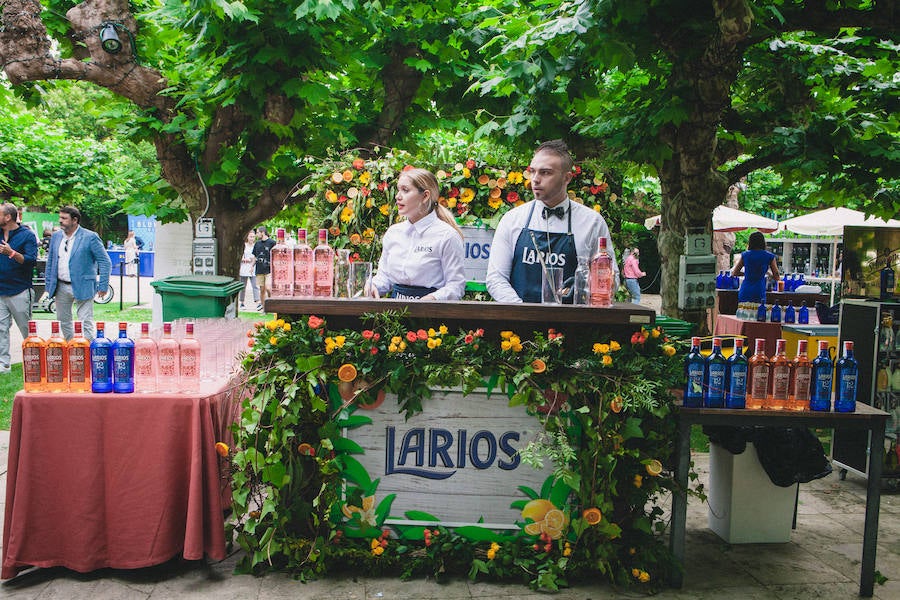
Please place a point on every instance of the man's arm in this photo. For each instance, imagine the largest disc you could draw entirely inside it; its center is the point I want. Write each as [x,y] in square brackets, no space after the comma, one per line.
[104,264]
[500,264]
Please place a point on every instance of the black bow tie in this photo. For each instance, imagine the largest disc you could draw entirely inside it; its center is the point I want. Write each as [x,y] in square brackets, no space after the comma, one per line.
[558,212]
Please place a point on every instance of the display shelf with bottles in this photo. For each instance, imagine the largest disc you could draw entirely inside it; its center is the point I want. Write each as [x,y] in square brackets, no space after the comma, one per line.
[874,327]
[811,256]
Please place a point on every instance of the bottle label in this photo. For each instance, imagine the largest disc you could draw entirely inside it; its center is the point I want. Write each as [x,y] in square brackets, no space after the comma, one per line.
[189,363]
[100,366]
[31,362]
[55,371]
[802,383]
[781,381]
[716,383]
[167,362]
[847,389]
[694,387]
[737,385]
[143,362]
[759,382]
[123,364]
[822,380]
[77,360]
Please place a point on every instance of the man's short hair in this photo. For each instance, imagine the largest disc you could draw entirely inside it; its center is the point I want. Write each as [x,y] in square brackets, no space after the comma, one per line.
[10,210]
[262,229]
[72,212]
[559,148]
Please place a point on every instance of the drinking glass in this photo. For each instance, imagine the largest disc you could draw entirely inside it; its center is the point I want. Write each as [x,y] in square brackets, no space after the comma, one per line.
[360,282]
[551,284]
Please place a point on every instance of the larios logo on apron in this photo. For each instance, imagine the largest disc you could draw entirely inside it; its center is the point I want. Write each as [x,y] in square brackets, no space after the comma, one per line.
[553,259]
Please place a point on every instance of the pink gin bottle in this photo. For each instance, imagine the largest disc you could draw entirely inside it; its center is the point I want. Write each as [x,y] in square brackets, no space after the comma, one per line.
[282,261]
[146,360]
[303,266]
[169,364]
[601,276]
[323,259]
[190,361]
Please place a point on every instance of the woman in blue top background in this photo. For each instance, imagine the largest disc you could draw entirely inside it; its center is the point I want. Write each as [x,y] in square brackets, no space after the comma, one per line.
[753,264]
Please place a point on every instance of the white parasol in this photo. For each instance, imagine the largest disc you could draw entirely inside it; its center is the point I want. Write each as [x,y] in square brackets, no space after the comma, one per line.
[730,219]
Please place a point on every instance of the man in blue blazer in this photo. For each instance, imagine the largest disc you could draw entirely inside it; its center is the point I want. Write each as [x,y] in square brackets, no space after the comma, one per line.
[77,267]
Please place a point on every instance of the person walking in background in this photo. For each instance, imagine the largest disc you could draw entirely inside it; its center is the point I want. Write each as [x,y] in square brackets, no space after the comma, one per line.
[248,270]
[18,253]
[131,252]
[262,252]
[77,267]
[631,271]
[754,263]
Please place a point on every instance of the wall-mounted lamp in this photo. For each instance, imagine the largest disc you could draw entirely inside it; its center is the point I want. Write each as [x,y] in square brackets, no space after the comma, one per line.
[109,39]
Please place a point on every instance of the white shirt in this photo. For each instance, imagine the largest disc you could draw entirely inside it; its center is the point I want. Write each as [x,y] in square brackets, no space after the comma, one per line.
[65,251]
[248,261]
[427,253]
[587,227]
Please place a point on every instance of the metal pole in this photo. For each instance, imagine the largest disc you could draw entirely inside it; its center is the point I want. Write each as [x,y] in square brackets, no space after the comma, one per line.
[137,267]
[121,284]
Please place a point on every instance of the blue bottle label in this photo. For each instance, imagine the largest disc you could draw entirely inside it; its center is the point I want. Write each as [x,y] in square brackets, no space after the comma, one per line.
[715,390]
[821,392]
[100,371]
[846,398]
[693,392]
[123,364]
[737,386]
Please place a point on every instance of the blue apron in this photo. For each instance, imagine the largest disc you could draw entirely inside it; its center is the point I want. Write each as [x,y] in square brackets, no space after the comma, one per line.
[410,292]
[558,250]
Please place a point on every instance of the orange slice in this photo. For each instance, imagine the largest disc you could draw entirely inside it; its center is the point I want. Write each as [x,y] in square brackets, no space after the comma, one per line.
[222,449]
[592,516]
[654,467]
[616,405]
[346,372]
[538,366]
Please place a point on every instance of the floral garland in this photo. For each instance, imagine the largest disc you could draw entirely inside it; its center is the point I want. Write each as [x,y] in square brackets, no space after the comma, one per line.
[301,503]
[354,198]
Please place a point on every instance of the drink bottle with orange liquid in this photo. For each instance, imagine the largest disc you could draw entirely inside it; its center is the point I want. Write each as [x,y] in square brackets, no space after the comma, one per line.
[802,382]
[33,364]
[780,373]
[758,376]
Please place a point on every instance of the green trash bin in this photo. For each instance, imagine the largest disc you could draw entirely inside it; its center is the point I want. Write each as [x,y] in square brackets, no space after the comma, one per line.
[198,296]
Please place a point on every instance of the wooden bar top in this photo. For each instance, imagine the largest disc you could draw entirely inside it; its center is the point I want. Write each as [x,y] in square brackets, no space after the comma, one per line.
[578,322]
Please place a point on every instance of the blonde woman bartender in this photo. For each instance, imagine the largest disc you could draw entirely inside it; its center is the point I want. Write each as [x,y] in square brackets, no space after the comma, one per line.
[421,257]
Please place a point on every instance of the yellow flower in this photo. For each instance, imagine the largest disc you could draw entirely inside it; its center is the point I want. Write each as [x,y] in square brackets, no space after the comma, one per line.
[505,335]
[615,346]
[466,195]
[286,326]
[505,345]
[339,340]
[396,339]
[378,551]
[514,177]
[443,330]
[669,350]
[375,544]
[393,348]
[655,332]
[370,203]
[632,551]
[644,577]
[331,196]
[491,554]
[271,325]
[366,512]
[365,177]
[495,203]
[431,343]
[451,202]
[517,347]
[384,209]
[601,348]
[606,360]
[567,551]
[597,207]
[638,481]
[438,342]
[432,332]
[402,346]
[636,573]
[273,340]
[466,172]
[347,214]
[495,546]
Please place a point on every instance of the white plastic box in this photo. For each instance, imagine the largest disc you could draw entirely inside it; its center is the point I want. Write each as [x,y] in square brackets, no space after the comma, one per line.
[745,507]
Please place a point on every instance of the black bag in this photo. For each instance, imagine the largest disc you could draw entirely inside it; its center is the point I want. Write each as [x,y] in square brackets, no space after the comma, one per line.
[828,315]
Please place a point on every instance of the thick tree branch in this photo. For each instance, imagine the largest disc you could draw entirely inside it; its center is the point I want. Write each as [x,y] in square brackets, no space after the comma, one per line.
[814,15]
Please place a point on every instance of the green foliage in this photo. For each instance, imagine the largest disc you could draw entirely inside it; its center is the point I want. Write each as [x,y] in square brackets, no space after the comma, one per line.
[304,504]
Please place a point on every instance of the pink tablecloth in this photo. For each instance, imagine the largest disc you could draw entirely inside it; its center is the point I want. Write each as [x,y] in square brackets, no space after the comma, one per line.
[116,480]
[729,325]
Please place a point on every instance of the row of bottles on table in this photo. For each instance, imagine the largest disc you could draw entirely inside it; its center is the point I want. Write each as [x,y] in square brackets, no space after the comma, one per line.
[105,365]
[303,271]
[726,281]
[774,312]
[791,281]
[775,383]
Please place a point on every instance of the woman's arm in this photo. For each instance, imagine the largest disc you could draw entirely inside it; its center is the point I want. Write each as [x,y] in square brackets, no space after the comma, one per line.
[773,266]
[738,268]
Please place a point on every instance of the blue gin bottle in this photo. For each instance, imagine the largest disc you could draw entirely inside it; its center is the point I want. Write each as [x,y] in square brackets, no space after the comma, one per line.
[694,369]
[803,314]
[822,378]
[101,362]
[790,314]
[123,362]
[736,394]
[847,373]
[776,313]
[714,377]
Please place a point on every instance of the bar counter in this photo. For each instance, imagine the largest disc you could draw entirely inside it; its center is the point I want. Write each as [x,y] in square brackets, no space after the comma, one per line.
[575,321]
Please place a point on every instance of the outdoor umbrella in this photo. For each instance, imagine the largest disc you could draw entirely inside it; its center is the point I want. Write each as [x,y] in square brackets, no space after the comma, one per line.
[831,221]
[730,219]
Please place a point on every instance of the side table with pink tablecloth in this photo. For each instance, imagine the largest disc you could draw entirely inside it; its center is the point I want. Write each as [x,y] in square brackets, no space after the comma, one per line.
[116,480]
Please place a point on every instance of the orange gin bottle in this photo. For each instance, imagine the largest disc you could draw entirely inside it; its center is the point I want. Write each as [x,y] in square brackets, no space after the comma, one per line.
[758,370]
[79,361]
[781,377]
[33,366]
[802,382]
[57,356]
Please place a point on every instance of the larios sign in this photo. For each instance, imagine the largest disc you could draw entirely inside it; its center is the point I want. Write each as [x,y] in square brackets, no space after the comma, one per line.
[458,460]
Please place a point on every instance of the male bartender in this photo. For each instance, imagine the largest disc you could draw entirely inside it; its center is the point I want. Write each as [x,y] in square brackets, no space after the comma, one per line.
[551,226]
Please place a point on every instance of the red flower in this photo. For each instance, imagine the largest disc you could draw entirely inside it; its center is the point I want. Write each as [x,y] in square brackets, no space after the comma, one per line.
[359,164]
[603,186]
[411,336]
[382,185]
[364,191]
[374,350]
[462,208]
[343,199]
[577,170]
[470,164]
[454,192]
[377,336]
[315,322]
[638,337]
[368,333]
[469,338]
[479,332]
[595,189]
[354,257]
[422,334]
[512,197]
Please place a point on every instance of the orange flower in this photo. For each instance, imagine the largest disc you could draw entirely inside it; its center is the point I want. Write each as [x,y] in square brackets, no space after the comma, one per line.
[359,164]
[483,179]
[616,405]
[592,515]
[346,372]
[334,231]
[222,449]
[347,175]
[355,238]
[538,366]
[496,192]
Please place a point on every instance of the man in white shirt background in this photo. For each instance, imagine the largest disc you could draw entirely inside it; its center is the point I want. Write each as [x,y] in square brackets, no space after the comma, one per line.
[550,226]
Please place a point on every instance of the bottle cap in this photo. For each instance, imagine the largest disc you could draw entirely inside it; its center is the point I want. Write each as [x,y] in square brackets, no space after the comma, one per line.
[848,346]
[123,325]
[801,346]
[189,328]
[823,345]
[279,233]
[738,343]
[100,325]
[780,345]
[77,327]
[760,345]
[717,342]
[145,327]
[301,235]
[54,326]
[32,326]
[695,341]
[167,328]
